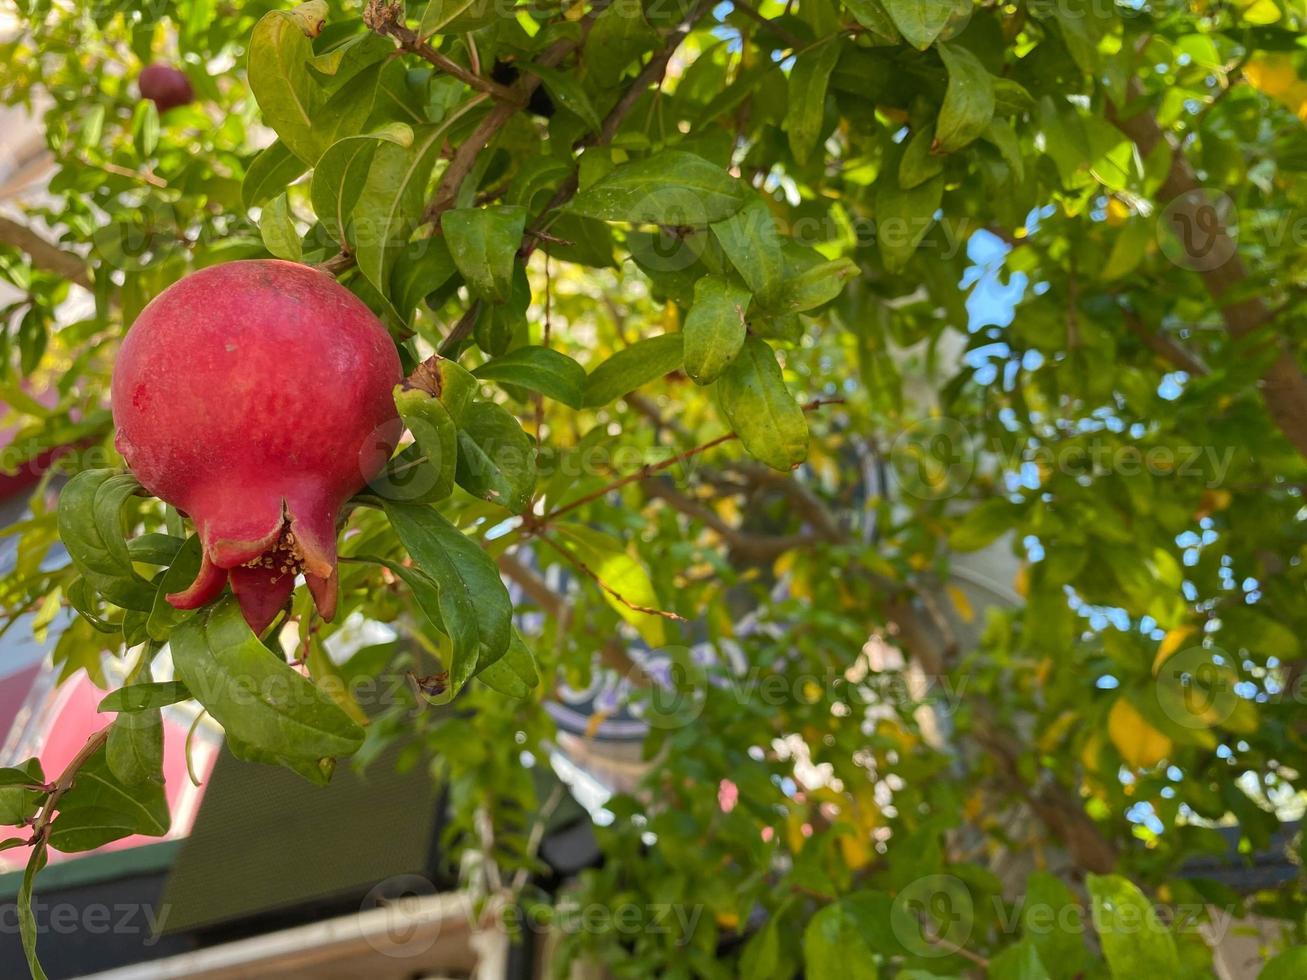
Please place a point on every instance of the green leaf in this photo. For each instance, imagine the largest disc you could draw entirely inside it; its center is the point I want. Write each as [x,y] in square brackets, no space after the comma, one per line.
[26,919]
[1019,962]
[484,244]
[1000,134]
[316,771]
[134,751]
[455,16]
[269,174]
[278,230]
[514,674]
[164,617]
[918,164]
[968,102]
[714,328]
[835,947]
[145,696]
[253,693]
[672,187]
[750,241]
[450,609]
[1050,918]
[903,217]
[100,808]
[872,15]
[91,528]
[984,523]
[496,459]
[567,92]
[634,366]
[610,560]
[145,127]
[807,97]
[459,567]
[813,287]
[420,270]
[1289,965]
[1135,942]
[620,34]
[341,173]
[538,369]
[753,397]
[921,21]
[17,803]
[278,74]
[436,437]
[390,204]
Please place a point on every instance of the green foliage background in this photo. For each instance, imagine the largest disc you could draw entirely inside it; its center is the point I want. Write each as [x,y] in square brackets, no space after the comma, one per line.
[748,220]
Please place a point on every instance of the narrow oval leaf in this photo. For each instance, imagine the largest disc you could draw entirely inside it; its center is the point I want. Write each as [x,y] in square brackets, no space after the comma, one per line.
[514,674]
[253,693]
[672,188]
[484,244]
[496,459]
[458,565]
[390,204]
[968,102]
[134,751]
[770,423]
[340,175]
[903,217]
[1135,942]
[277,229]
[437,439]
[750,240]
[628,369]
[807,93]
[100,808]
[618,570]
[538,369]
[921,21]
[714,328]
[278,73]
[84,518]
[813,287]
[144,697]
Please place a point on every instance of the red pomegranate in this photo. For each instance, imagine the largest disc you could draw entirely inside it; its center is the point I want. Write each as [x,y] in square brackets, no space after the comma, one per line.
[167,87]
[256,397]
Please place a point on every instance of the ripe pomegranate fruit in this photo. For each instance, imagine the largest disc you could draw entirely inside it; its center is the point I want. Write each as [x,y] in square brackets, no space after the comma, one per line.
[256,397]
[167,87]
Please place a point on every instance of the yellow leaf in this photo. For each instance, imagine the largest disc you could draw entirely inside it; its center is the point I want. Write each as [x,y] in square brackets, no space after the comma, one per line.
[1261,13]
[1141,745]
[1172,642]
[856,850]
[1117,212]
[1021,581]
[961,603]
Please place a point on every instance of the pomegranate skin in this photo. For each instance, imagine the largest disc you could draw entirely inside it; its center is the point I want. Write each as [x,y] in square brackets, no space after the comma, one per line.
[167,87]
[256,397]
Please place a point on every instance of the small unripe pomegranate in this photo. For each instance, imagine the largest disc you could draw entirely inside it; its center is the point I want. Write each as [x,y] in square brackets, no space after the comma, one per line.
[167,87]
[256,397]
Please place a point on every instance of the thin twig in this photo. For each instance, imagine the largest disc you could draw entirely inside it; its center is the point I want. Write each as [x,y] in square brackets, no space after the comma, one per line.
[592,574]
[387,19]
[65,782]
[649,469]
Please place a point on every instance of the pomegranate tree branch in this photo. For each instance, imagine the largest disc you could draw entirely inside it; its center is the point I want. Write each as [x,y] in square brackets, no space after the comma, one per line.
[1165,347]
[1283,386]
[41,829]
[387,19]
[612,653]
[582,567]
[651,74]
[649,469]
[45,255]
